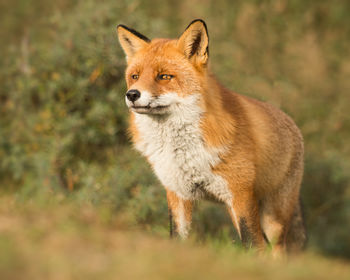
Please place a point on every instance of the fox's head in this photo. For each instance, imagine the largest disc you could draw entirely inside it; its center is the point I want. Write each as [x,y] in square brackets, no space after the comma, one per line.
[163,73]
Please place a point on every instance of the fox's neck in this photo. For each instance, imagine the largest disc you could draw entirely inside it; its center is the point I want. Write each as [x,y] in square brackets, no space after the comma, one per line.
[212,95]
[222,113]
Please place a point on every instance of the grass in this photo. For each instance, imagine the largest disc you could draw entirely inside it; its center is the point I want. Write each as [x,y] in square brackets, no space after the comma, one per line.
[63,240]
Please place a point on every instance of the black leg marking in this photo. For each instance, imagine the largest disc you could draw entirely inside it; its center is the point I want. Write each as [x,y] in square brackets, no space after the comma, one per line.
[171,232]
[246,235]
[266,239]
[302,214]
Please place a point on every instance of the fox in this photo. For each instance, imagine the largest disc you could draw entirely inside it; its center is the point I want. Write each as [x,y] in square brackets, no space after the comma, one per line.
[205,141]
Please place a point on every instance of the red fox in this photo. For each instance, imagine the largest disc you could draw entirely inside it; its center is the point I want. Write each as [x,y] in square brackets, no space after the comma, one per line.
[205,141]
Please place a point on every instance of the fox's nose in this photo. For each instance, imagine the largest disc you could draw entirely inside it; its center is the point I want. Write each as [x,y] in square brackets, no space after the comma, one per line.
[133,95]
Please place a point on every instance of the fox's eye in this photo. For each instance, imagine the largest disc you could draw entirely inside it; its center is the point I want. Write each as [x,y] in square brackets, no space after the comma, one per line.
[165,77]
[134,76]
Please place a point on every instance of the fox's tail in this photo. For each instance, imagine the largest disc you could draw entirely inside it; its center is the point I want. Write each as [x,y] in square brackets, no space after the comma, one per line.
[296,237]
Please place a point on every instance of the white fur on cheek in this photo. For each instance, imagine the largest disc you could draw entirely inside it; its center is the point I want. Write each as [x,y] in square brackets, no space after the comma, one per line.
[165,100]
[173,143]
[146,99]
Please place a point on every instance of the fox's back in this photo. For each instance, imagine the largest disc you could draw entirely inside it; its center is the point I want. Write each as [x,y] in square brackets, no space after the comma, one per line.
[278,144]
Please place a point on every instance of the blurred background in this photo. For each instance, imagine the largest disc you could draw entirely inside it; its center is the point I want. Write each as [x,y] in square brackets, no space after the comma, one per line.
[63,119]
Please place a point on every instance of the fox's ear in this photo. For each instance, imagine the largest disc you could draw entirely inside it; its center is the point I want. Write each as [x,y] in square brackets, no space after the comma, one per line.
[131,40]
[194,42]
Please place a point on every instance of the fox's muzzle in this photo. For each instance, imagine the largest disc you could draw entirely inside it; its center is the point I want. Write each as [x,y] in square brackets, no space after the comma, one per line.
[133,94]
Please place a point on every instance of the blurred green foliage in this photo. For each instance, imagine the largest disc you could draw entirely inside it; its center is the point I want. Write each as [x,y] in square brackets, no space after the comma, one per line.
[63,119]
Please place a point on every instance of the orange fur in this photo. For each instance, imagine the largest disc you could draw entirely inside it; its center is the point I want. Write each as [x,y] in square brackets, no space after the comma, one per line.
[262,160]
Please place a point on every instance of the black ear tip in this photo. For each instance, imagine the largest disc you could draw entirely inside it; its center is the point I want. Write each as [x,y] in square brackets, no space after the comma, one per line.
[198,20]
[134,32]
[121,26]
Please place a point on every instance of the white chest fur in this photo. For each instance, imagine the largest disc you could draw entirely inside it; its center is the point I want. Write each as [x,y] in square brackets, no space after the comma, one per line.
[175,147]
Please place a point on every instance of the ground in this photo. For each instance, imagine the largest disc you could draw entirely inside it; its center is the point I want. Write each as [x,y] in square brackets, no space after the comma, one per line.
[67,241]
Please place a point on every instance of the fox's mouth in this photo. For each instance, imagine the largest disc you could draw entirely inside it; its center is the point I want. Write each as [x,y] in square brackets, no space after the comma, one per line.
[148,109]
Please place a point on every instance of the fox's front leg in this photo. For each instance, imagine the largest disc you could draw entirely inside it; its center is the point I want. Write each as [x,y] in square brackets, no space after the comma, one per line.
[244,211]
[181,210]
